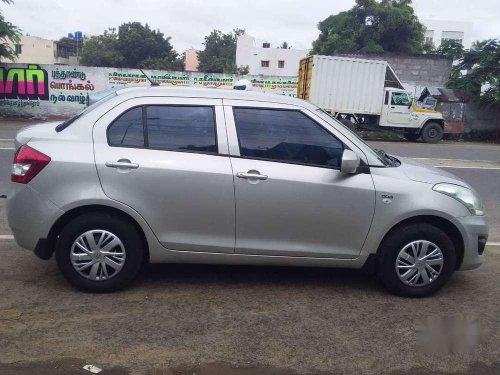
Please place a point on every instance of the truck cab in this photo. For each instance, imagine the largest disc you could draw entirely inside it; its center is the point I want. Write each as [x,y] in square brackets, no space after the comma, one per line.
[399,111]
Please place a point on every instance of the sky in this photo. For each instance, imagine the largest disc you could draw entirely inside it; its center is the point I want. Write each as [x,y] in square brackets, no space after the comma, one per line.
[188,21]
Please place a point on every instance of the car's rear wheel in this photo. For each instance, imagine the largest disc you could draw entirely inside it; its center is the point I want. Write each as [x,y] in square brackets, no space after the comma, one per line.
[432,132]
[100,252]
[416,260]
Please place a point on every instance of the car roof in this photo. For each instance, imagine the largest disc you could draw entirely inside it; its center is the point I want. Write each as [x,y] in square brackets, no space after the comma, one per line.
[212,93]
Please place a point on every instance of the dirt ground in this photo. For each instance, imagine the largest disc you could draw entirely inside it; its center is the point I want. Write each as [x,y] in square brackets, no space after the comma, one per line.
[199,319]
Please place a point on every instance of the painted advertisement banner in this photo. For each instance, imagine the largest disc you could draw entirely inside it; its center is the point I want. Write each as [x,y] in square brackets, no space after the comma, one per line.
[55,90]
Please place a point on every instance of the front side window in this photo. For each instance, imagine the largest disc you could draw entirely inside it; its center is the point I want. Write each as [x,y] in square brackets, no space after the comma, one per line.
[181,128]
[400,98]
[127,130]
[287,136]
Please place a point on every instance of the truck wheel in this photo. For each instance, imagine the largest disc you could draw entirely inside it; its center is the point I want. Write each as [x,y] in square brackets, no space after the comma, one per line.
[432,132]
[416,260]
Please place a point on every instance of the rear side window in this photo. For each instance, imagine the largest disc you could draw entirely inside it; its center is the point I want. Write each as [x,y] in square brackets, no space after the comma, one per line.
[183,128]
[127,130]
[285,135]
[162,127]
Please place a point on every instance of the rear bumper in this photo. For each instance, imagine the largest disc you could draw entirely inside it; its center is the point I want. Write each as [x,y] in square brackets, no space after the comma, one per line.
[30,216]
[475,233]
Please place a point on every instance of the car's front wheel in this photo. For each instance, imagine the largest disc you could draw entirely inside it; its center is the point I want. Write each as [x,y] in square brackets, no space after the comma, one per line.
[416,260]
[100,252]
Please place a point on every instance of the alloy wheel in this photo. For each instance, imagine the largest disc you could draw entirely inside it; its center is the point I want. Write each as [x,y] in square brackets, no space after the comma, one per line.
[419,263]
[98,255]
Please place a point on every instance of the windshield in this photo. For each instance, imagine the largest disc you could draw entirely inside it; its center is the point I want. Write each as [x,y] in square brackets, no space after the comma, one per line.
[90,108]
[385,159]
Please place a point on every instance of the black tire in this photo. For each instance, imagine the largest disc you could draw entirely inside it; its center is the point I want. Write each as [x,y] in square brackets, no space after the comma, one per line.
[412,137]
[432,132]
[127,233]
[396,240]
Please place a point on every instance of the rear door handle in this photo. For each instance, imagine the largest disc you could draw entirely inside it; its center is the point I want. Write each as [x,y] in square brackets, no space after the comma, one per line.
[122,164]
[250,175]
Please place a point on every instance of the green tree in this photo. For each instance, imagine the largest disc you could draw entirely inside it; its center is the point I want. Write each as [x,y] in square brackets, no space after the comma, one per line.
[133,46]
[9,34]
[451,49]
[102,50]
[285,45]
[478,72]
[219,55]
[371,26]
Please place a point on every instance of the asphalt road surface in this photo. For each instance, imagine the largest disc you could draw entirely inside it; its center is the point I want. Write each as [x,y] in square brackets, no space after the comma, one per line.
[231,320]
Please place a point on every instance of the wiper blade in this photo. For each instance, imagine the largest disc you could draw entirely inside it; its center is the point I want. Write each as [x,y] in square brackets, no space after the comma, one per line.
[391,161]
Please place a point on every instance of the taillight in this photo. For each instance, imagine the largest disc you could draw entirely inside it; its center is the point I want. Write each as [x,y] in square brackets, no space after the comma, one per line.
[28,162]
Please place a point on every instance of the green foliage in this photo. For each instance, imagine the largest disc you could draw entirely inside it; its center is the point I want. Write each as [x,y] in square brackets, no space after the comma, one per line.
[479,68]
[285,45]
[371,26]
[133,46]
[451,49]
[102,50]
[8,32]
[219,55]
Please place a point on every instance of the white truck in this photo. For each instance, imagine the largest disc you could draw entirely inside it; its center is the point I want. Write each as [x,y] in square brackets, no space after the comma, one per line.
[366,94]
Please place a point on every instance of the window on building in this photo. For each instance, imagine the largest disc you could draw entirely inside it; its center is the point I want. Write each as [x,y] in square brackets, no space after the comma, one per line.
[264,63]
[181,128]
[281,64]
[452,35]
[127,130]
[429,36]
[287,136]
[19,48]
[266,45]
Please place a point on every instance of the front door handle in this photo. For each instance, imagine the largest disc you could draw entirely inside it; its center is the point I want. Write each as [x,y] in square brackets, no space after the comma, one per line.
[255,175]
[122,164]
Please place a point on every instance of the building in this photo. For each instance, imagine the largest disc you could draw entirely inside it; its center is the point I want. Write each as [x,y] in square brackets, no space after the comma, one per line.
[438,31]
[191,60]
[36,50]
[263,60]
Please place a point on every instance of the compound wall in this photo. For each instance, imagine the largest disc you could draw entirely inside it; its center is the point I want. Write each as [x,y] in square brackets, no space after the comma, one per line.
[44,91]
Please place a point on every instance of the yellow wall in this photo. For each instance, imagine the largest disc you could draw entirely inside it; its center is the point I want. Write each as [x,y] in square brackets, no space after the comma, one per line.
[35,50]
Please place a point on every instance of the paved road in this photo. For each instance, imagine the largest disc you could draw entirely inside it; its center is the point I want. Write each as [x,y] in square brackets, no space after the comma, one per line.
[218,320]
[442,150]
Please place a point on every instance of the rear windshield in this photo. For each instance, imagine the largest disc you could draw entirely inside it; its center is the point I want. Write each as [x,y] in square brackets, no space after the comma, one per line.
[90,108]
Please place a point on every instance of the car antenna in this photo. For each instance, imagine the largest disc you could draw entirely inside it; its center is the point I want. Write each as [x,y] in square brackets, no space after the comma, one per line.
[153,83]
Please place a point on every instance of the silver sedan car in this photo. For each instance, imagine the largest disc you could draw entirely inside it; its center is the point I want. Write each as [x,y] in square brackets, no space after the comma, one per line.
[169,175]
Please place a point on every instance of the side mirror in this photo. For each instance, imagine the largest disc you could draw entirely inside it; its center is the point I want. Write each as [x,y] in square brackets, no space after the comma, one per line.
[350,162]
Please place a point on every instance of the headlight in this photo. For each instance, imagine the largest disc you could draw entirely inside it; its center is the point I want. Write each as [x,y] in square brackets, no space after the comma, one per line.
[463,195]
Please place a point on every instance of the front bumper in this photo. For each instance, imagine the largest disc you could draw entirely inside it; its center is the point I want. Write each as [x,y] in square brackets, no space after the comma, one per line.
[475,234]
